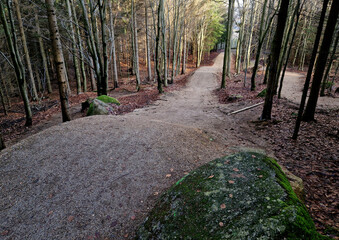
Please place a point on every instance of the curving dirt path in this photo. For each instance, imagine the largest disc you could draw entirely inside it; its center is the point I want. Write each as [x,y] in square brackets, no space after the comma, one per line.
[292,90]
[97,177]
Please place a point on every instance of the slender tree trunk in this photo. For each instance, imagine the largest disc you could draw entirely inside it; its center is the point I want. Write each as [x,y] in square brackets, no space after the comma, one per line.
[332,57]
[2,95]
[290,48]
[15,56]
[58,59]
[43,53]
[26,52]
[310,70]
[227,55]
[241,38]
[74,48]
[113,48]
[274,59]
[2,143]
[321,62]
[148,51]
[260,44]
[157,54]
[164,50]
[135,46]
[80,48]
[183,70]
[249,41]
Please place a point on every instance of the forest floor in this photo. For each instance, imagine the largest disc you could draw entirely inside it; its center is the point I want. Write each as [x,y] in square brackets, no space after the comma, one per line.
[97,177]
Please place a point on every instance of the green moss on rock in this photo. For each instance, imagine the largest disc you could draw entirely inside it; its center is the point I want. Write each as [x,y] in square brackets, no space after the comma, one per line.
[105,99]
[242,196]
[262,93]
[108,99]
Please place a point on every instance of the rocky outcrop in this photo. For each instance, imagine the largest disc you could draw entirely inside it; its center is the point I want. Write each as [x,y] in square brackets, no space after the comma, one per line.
[102,105]
[242,196]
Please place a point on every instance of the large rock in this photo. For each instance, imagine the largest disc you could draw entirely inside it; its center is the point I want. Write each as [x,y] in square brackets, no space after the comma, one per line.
[102,105]
[242,196]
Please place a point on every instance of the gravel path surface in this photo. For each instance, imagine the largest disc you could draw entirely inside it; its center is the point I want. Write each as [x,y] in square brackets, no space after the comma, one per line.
[292,90]
[97,177]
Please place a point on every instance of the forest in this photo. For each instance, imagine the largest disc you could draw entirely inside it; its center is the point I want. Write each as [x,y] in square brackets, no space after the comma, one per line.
[185,79]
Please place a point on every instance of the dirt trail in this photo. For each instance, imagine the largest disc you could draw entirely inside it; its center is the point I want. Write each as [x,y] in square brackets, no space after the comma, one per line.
[292,90]
[99,176]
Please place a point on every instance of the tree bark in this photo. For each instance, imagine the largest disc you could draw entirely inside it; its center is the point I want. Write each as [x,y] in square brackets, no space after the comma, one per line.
[113,48]
[135,44]
[262,35]
[329,65]
[15,56]
[2,143]
[310,70]
[80,48]
[274,59]
[58,59]
[74,48]
[321,62]
[43,53]
[26,52]
[148,50]
[157,55]
[227,55]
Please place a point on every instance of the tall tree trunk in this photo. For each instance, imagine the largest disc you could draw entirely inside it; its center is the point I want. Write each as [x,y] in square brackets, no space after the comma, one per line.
[298,9]
[164,50]
[80,47]
[241,38]
[2,95]
[104,64]
[74,48]
[329,65]
[58,59]
[262,35]
[321,62]
[15,56]
[135,45]
[227,55]
[43,53]
[157,54]
[176,7]
[310,70]
[274,59]
[183,70]
[148,50]
[249,41]
[113,48]
[2,143]
[26,52]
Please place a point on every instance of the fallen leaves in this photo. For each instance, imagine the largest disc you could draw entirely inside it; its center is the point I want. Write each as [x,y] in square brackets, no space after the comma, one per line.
[221,224]
[212,176]
[70,218]
[230,195]
[235,169]
[231,182]
[223,206]
[168,175]
[133,217]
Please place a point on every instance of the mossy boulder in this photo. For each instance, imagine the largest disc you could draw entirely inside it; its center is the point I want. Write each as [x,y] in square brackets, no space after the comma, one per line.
[102,105]
[242,196]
